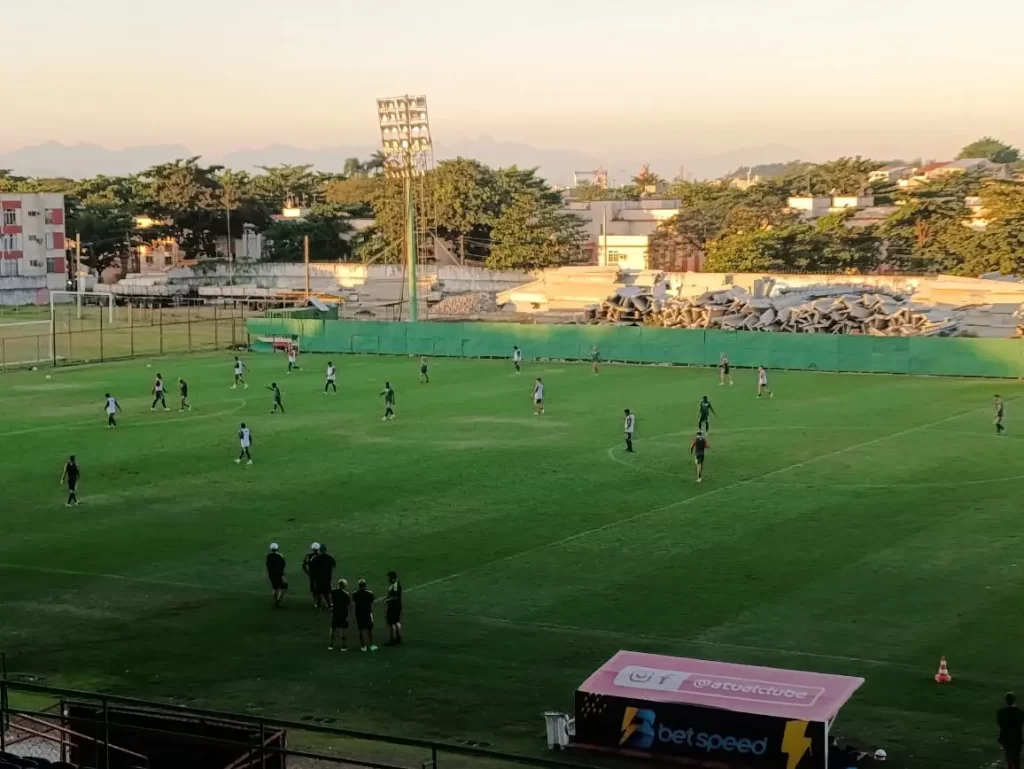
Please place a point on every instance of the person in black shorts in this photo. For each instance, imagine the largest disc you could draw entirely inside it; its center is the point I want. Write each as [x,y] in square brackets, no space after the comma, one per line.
[723,370]
[697,448]
[704,415]
[275,572]
[1010,720]
[322,572]
[277,398]
[71,475]
[999,415]
[363,602]
[309,567]
[393,602]
[424,376]
[183,391]
[341,601]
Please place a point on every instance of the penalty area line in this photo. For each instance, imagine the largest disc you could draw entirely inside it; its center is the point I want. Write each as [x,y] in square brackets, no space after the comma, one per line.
[688,500]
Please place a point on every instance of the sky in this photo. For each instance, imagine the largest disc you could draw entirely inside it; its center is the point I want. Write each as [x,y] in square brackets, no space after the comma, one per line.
[881,78]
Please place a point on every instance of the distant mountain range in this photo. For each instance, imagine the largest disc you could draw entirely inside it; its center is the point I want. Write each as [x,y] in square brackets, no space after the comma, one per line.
[557,165]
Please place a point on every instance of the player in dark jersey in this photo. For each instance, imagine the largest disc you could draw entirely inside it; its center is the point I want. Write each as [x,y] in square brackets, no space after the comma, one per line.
[999,415]
[70,476]
[393,603]
[183,392]
[363,600]
[277,398]
[388,393]
[723,370]
[275,572]
[341,602]
[697,448]
[424,376]
[704,416]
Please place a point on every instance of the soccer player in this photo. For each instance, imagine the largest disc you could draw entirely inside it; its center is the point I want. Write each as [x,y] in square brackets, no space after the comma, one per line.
[293,358]
[159,396]
[999,416]
[309,567]
[322,571]
[71,475]
[341,601]
[393,602]
[245,441]
[697,448]
[275,571]
[277,398]
[388,393]
[630,427]
[762,382]
[595,359]
[517,359]
[538,397]
[332,375]
[706,410]
[240,369]
[183,392]
[424,377]
[113,407]
[723,370]
[363,600]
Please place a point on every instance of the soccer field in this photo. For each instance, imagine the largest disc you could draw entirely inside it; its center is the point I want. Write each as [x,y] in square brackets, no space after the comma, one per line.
[862,525]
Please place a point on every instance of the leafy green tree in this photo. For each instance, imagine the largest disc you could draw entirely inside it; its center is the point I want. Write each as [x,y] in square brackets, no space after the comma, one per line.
[326,242]
[587,192]
[751,251]
[279,184]
[466,201]
[992,149]
[354,194]
[187,195]
[844,248]
[532,233]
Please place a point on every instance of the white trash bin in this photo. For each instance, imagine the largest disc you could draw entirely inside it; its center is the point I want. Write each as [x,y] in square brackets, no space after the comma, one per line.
[557,727]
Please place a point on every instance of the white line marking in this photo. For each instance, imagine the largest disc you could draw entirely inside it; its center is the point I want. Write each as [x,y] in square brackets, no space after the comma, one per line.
[688,500]
[123,578]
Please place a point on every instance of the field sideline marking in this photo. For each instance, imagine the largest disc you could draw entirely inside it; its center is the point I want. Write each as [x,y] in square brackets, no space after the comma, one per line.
[242,403]
[694,498]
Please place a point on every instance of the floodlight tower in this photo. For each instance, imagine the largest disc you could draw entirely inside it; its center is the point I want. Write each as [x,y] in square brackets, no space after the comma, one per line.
[409,154]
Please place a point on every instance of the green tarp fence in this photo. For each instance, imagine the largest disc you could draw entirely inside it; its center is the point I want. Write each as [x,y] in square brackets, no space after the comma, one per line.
[808,352]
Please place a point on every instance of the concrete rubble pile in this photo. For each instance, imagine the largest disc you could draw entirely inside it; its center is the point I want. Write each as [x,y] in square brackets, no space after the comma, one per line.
[465,304]
[813,310]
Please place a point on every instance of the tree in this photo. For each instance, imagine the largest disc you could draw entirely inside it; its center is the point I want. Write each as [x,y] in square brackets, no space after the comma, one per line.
[466,201]
[844,248]
[375,164]
[279,184]
[105,233]
[352,168]
[326,243]
[914,233]
[646,182]
[587,192]
[355,194]
[187,195]
[992,149]
[753,251]
[704,210]
[532,233]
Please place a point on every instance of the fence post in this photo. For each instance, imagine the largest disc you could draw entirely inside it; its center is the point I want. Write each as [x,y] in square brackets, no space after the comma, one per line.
[233,343]
[39,354]
[3,354]
[131,330]
[106,735]
[101,335]
[216,341]
[161,330]
[3,701]
[188,323]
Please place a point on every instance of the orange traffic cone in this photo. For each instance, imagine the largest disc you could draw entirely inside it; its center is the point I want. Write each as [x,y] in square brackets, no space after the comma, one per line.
[943,676]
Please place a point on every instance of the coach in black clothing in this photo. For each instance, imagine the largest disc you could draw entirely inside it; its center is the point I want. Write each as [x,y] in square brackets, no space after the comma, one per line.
[275,572]
[322,574]
[1011,730]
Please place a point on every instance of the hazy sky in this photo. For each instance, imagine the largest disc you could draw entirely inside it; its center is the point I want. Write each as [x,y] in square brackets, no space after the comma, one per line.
[875,77]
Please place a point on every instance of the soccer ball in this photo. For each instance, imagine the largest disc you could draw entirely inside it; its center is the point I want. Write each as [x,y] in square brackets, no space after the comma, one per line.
[149,365]
[47,376]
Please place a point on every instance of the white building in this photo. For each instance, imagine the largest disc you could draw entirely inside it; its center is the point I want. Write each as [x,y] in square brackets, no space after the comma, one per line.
[32,246]
[620,226]
[817,206]
[890,174]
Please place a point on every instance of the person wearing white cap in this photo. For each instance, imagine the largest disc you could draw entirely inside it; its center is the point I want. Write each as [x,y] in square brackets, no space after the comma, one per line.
[310,569]
[275,571]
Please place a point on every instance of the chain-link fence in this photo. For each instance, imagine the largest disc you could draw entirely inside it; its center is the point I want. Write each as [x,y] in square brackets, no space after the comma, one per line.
[46,725]
[95,332]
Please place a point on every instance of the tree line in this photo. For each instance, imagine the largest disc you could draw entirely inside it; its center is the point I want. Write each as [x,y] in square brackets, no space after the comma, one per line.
[511,218]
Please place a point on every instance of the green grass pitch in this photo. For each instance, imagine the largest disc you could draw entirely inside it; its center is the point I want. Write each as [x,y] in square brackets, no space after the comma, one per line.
[853,524]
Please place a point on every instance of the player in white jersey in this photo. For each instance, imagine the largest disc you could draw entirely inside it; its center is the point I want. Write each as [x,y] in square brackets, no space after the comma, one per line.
[240,369]
[159,394]
[517,359]
[332,375]
[538,397]
[630,428]
[245,441]
[112,407]
[762,382]
[293,358]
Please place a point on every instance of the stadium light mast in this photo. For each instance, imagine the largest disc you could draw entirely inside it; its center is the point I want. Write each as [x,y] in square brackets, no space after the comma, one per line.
[409,153]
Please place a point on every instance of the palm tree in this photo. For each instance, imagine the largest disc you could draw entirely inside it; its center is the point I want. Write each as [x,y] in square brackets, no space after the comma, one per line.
[376,163]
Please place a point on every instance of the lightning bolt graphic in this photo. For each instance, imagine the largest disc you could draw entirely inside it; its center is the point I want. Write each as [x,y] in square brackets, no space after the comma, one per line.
[628,725]
[795,743]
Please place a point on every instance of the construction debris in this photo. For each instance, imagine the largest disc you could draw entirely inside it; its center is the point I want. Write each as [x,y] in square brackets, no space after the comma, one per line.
[465,304]
[812,310]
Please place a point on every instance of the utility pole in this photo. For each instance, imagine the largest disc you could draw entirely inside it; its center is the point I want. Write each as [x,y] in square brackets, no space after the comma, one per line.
[79,286]
[604,232]
[410,241]
[305,258]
